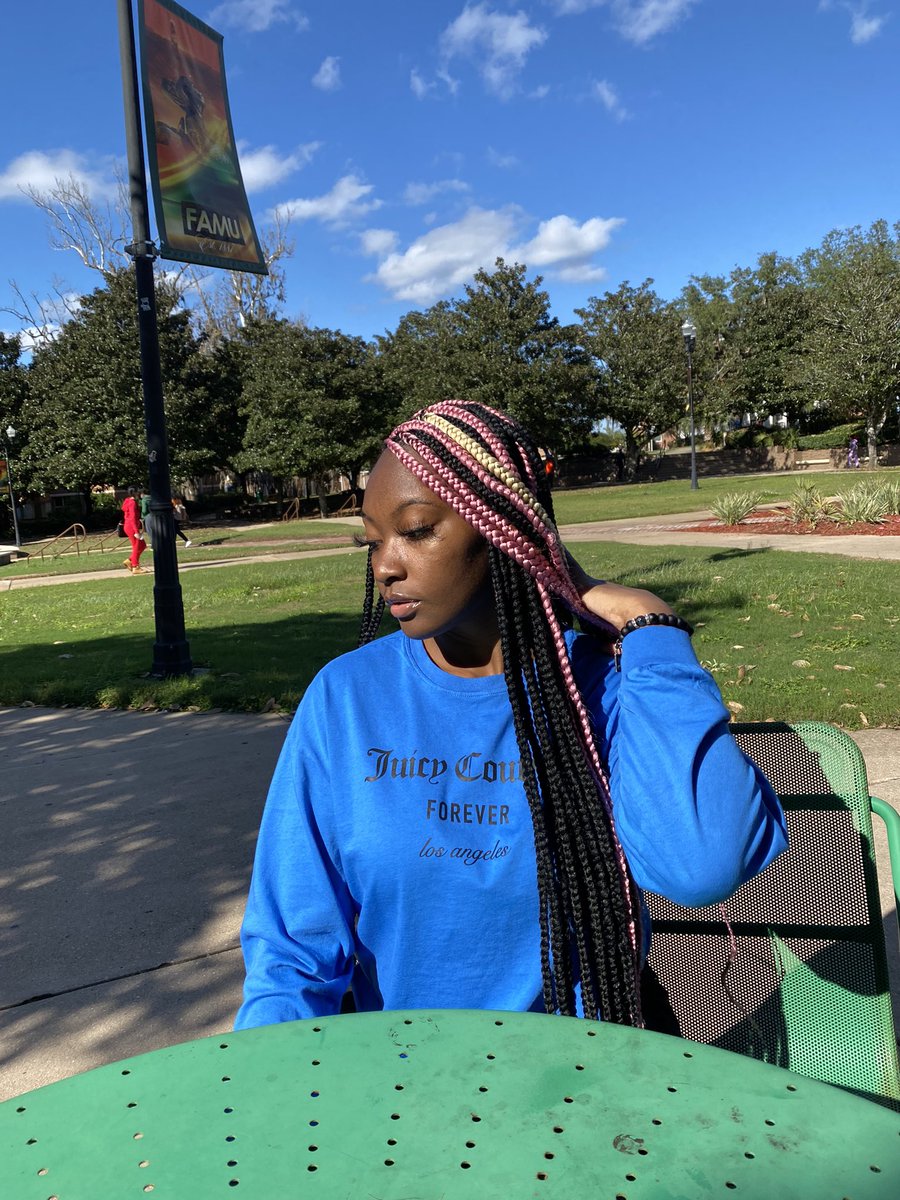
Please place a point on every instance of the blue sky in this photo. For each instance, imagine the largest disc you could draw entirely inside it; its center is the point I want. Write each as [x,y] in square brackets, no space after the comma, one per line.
[411,143]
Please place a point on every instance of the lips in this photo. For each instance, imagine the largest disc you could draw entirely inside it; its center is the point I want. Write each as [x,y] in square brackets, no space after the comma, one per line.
[401,606]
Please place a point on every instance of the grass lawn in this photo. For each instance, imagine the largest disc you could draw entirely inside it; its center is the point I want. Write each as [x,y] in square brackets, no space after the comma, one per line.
[209,542]
[787,636]
[672,496]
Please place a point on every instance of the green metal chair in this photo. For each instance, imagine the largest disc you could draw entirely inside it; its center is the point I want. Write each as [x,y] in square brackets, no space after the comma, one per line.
[798,975]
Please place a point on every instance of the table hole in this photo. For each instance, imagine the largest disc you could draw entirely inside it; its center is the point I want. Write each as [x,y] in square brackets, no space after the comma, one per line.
[42,1171]
[643,1150]
[22,1109]
[228,1110]
[579,1066]
[317,1028]
[233,1182]
[395,1116]
[137,1136]
[470,1145]
[148,1187]
[311,1167]
[747,1154]
[314,1123]
[230,1138]
[407,1021]
[549,1154]
[568,1100]
[398,1087]
[226,1079]
[232,1162]
[490,1057]
[631,1178]
[316,1062]
[388,1162]
[592,1033]
[223,1045]
[621,1196]
[791,1087]
[877,1170]
[314,1095]
[482,1088]
[53,1198]
[558,1128]
[312,1149]
[145,1162]
[686,1054]
[131,1104]
[126,1072]
[392,1141]
[498,1022]
[465,1165]
[475,1118]
[656,1121]
[731,1186]
[404,1056]
[542,1175]
[768,1122]
[671,1089]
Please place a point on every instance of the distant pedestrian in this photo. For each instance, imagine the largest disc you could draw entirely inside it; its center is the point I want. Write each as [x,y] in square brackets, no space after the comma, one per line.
[181,518]
[131,519]
[144,501]
[853,453]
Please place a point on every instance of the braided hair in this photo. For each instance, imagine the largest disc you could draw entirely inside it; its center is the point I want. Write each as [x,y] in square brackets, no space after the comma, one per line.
[487,468]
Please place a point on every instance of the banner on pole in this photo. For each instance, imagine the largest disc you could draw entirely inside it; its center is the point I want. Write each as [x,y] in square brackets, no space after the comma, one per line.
[198,193]
[4,472]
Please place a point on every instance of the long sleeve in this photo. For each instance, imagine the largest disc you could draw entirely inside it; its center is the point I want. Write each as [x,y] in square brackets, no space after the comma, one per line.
[298,929]
[695,817]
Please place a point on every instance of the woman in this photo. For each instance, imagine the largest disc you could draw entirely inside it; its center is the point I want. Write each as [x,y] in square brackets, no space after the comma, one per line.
[131,520]
[439,831]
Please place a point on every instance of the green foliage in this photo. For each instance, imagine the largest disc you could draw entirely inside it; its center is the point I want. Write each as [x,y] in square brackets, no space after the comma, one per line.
[634,339]
[809,505]
[734,507]
[836,438]
[867,504]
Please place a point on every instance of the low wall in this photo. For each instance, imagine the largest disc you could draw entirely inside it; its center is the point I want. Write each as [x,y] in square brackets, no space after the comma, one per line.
[677,463]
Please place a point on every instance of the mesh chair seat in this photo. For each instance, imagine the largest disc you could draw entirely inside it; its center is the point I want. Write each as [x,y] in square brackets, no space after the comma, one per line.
[801,977]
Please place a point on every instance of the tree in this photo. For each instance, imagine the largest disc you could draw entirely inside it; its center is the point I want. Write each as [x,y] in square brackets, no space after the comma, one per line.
[634,338]
[852,348]
[314,403]
[498,345]
[84,414]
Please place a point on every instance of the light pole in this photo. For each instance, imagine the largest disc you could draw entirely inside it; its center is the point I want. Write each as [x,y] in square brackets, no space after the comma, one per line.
[10,437]
[689,333]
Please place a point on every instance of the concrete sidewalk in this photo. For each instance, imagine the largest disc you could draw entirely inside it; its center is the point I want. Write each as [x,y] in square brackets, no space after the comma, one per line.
[126,841]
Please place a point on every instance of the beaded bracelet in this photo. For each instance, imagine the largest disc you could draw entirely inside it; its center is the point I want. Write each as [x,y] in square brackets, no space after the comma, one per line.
[644,620]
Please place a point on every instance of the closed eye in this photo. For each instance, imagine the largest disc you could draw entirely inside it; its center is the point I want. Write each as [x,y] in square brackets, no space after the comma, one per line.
[363,542]
[417,534]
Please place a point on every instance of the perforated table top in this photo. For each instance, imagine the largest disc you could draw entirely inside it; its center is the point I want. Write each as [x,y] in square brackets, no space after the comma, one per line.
[440,1105]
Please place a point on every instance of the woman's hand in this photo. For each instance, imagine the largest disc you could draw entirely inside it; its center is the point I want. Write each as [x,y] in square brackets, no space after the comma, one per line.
[613,602]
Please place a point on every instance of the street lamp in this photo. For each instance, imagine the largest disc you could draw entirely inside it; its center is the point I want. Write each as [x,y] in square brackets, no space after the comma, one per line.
[689,333]
[11,437]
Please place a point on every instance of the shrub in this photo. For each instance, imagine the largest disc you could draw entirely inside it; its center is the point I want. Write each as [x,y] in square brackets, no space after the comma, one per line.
[733,507]
[808,504]
[836,438]
[865,503]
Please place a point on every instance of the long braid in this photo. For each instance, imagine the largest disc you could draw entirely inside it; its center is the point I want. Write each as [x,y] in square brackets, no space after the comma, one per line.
[488,470]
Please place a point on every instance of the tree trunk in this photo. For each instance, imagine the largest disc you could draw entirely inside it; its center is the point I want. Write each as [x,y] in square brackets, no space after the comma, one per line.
[321,496]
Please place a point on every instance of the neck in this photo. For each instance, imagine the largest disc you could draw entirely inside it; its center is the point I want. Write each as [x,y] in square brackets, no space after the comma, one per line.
[472,650]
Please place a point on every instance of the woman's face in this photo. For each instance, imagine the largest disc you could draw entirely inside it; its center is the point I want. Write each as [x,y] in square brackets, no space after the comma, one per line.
[430,566]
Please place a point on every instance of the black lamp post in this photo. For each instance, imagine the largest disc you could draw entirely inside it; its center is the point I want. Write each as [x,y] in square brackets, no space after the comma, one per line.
[11,437]
[689,333]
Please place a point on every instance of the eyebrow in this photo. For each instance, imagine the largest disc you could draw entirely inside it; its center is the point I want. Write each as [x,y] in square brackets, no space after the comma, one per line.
[401,506]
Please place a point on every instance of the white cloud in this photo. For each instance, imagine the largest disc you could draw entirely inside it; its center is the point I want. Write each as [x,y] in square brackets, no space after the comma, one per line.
[422,193]
[449,255]
[498,42]
[503,161]
[378,242]
[863,28]
[41,169]
[264,167]
[256,16]
[418,85]
[638,21]
[345,202]
[328,76]
[604,91]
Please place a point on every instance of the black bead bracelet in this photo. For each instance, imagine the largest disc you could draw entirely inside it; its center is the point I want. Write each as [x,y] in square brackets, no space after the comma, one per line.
[641,622]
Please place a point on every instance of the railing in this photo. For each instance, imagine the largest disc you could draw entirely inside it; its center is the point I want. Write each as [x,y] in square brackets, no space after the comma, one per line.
[292,512]
[73,540]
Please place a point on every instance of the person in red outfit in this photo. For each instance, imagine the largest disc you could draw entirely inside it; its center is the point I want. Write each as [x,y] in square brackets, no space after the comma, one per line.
[131,519]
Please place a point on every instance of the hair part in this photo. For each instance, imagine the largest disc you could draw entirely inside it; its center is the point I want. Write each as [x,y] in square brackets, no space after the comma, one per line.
[489,470]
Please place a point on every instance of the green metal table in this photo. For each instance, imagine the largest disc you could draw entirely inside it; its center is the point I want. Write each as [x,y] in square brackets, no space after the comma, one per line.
[439,1105]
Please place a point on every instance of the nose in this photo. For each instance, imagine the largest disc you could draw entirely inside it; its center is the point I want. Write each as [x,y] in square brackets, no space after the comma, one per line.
[386,565]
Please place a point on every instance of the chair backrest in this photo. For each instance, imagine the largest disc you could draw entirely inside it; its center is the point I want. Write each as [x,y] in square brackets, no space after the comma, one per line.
[798,975]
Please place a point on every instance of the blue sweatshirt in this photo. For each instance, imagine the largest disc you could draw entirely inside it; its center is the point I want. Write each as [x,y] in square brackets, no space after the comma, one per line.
[396,849]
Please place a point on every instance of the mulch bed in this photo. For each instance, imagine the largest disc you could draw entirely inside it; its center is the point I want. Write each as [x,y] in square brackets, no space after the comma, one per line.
[774,521]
